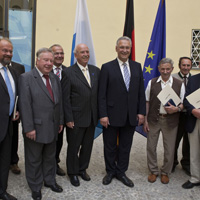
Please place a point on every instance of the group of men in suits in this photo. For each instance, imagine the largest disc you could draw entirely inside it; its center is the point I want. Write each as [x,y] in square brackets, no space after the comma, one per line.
[77,97]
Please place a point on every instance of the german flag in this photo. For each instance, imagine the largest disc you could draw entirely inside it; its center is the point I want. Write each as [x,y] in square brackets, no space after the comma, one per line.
[129,26]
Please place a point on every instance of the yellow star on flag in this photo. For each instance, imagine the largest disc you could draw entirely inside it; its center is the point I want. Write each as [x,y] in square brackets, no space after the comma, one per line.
[151,55]
[148,69]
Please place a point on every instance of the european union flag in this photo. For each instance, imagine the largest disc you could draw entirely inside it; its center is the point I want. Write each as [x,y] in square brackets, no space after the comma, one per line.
[157,46]
[156,50]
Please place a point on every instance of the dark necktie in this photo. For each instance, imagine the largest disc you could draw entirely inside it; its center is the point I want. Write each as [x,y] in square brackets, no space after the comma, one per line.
[49,86]
[10,91]
[126,76]
[185,80]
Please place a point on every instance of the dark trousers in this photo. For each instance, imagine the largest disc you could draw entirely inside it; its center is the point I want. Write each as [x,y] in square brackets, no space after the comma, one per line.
[80,142]
[185,161]
[40,163]
[15,139]
[59,144]
[117,159]
[5,152]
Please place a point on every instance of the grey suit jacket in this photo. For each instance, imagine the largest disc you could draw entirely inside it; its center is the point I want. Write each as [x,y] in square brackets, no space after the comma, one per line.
[79,99]
[38,111]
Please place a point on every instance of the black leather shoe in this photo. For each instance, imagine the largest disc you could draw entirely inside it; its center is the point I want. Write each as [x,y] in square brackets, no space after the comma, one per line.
[84,175]
[108,178]
[55,187]
[6,196]
[189,185]
[125,180]
[74,180]
[36,195]
[60,171]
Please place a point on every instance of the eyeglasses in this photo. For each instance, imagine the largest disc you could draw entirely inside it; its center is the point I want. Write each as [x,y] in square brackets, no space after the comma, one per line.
[58,53]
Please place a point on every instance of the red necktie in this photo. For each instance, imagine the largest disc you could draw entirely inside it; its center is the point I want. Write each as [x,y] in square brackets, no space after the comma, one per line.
[49,86]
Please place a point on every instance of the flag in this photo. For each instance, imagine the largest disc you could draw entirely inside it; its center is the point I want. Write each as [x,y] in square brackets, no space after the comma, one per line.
[82,31]
[157,46]
[156,50]
[129,26]
[82,34]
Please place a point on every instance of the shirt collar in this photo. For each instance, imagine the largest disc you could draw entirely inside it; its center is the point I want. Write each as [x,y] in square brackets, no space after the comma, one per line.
[121,63]
[81,67]
[40,73]
[182,76]
[60,67]
[170,80]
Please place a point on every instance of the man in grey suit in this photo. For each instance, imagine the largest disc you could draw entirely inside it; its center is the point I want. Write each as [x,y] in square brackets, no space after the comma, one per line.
[80,87]
[8,91]
[40,101]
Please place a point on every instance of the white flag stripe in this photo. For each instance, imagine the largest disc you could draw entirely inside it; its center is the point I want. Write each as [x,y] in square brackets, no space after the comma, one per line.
[82,31]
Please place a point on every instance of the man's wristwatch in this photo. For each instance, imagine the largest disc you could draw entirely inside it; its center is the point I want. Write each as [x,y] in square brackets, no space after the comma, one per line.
[179,109]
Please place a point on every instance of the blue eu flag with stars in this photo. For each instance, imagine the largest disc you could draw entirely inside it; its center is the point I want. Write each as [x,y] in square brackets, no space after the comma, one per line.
[157,46]
[156,50]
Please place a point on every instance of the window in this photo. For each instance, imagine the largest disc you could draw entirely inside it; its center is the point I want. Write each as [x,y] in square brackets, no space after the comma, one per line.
[195,51]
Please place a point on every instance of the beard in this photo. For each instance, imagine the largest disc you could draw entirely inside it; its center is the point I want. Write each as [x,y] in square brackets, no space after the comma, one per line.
[6,61]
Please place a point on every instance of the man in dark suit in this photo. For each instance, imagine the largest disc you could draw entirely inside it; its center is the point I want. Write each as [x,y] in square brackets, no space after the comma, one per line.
[58,68]
[14,156]
[40,103]
[121,103]
[80,87]
[8,91]
[193,129]
[185,65]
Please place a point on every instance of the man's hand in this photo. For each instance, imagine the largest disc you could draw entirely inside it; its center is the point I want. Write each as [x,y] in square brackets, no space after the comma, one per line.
[140,119]
[60,128]
[171,109]
[104,121]
[16,117]
[196,113]
[70,124]
[146,127]
[31,135]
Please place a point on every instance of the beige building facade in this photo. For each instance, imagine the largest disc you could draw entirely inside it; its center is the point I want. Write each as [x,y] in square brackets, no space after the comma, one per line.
[55,24]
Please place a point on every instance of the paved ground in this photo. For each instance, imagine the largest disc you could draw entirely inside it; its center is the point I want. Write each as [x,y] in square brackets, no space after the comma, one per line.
[95,190]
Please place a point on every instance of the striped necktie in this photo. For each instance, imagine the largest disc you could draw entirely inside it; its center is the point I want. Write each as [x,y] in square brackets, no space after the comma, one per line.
[10,91]
[58,72]
[86,75]
[126,76]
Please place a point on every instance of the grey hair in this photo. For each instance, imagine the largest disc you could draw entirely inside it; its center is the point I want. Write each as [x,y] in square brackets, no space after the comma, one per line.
[166,60]
[43,50]
[55,45]
[124,38]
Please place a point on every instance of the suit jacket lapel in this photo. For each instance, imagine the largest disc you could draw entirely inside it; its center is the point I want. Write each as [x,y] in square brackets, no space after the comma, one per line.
[2,82]
[92,75]
[40,82]
[80,75]
[118,73]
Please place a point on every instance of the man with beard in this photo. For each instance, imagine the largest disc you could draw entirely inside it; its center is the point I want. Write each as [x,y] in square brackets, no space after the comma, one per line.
[8,91]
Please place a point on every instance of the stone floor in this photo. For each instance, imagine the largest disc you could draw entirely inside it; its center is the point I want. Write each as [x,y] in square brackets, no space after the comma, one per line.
[95,190]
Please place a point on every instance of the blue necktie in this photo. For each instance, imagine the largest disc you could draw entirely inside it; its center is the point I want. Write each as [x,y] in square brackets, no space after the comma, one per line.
[10,91]
[126,76]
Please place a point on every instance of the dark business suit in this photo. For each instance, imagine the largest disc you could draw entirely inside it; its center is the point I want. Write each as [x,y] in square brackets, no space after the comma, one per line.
[5,131]
[14,156]
[40,113]
[121,107]
[192,127]
[59,142]
[80,107]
